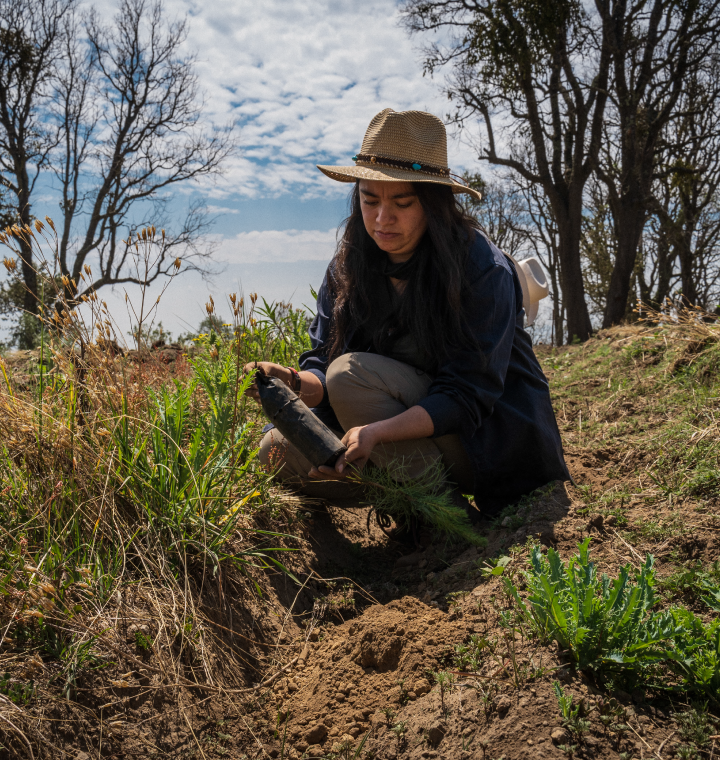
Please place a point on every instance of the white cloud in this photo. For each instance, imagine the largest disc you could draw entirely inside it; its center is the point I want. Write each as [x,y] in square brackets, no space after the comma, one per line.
[277,246]
[213,210]
[303,79]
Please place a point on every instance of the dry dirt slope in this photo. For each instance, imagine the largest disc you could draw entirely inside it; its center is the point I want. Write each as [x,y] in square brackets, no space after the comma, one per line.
[361,642]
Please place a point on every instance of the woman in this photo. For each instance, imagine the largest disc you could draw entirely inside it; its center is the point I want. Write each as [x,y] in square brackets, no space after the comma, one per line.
[419,353]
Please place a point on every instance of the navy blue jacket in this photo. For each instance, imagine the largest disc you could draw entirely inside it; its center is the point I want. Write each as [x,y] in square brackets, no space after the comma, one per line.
[496,399]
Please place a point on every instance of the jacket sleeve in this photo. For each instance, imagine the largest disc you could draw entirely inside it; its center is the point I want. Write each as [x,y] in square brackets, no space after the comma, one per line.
[471,380]
[315,360]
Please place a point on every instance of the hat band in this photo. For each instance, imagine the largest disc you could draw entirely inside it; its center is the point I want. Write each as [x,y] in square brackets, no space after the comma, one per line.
[365,159]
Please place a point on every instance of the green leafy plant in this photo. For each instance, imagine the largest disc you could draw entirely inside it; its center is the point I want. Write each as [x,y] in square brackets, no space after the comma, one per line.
[696,581]
[17,692]
[495,567]
[400,729]
[389,714]
[696,725]
[143,642]
[573,715]
[601,623]
[610,624]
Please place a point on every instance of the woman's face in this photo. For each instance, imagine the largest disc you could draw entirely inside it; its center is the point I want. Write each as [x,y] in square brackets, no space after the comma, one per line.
[393,216]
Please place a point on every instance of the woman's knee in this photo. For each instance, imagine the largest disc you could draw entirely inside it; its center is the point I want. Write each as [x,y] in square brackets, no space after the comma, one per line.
[273,449]
[266,445]
[340,376]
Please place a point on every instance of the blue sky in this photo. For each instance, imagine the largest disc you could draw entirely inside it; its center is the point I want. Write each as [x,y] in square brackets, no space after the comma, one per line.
[301,79]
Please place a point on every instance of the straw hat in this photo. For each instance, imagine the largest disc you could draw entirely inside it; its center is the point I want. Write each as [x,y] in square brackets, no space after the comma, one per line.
[404,146]
[534,285]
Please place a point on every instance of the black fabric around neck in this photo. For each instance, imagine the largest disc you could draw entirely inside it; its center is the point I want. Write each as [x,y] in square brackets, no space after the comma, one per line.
[402,271]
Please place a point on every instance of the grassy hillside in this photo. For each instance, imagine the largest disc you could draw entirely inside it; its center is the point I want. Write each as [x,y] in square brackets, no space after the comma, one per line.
[161,596]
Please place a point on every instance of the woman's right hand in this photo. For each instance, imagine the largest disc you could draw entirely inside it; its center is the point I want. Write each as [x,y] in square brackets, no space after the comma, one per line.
[270,368]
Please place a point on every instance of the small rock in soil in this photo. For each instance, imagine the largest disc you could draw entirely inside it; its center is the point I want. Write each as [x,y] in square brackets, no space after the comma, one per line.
[596,522]
[422,687]
[436,732]
[503,705]
[316,734]
[559,736]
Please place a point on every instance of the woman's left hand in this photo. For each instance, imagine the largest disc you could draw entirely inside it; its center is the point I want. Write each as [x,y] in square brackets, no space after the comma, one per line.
[360,442]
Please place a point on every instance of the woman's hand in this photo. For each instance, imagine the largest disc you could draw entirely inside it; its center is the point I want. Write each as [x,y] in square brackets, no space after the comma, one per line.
[270,368]
[360,442]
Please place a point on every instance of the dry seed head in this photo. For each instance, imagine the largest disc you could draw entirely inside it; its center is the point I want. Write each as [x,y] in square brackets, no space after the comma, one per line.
[177,263]
[10,264]
[39,225]
[233,298]
[253,298]
[87,269]
[163,234]
[50,222]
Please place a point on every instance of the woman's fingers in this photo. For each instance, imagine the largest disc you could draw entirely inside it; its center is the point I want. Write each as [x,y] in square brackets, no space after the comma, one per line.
[252,392]
[325,473]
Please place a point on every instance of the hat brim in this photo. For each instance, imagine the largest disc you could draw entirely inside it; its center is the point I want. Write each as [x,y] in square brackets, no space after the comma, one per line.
[388,174]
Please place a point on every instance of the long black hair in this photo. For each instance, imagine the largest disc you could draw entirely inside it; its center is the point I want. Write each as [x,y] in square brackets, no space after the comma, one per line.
[432,308]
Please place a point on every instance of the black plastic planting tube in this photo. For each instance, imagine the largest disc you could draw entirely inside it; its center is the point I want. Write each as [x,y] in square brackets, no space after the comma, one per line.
[292,417]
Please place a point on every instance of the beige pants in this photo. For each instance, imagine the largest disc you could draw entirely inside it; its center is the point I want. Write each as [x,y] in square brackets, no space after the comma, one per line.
[365,388]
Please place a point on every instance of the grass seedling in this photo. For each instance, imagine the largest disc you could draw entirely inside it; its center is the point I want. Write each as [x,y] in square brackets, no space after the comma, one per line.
[400,729]
[389,714]
[445,682]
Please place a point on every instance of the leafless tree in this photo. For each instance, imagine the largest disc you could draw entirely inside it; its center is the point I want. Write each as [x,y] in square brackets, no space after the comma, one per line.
[121,108]
[31,49]
[500,212]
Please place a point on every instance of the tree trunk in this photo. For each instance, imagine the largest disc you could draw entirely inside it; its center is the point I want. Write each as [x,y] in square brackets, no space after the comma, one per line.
[665,262]
[687,276]
[558,331]
[30,296]
[573,290]
[630,221]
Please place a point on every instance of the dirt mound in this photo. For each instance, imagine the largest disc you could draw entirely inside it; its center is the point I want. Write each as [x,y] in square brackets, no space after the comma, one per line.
[377,661]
